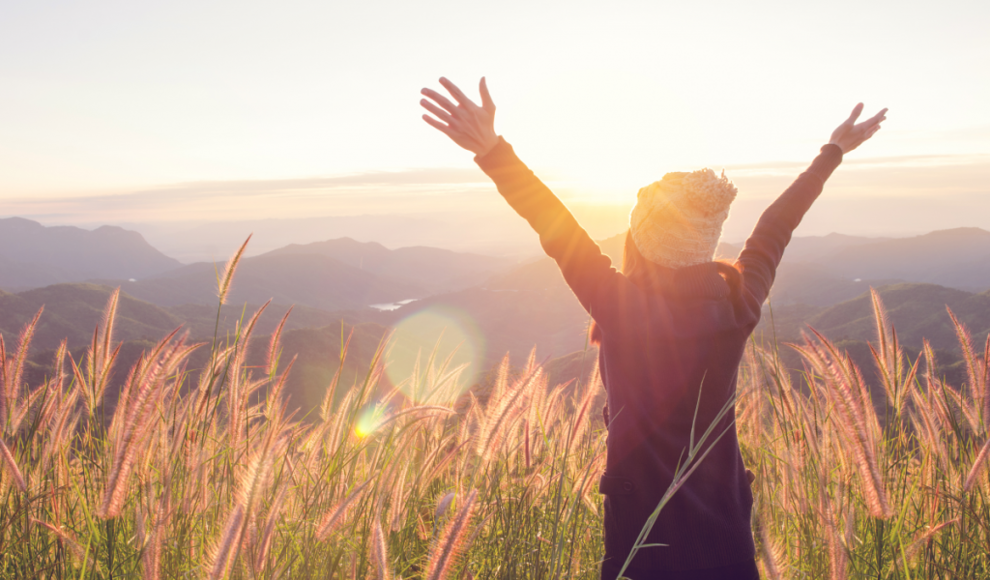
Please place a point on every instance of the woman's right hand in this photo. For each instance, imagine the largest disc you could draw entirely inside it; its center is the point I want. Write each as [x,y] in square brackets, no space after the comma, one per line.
[470,126]
[850,135]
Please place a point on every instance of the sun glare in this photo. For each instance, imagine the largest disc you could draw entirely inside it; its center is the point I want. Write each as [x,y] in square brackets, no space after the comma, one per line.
[443,339]
[370,419]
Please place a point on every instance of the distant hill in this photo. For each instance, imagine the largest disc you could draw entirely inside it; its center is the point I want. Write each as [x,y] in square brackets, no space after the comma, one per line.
[307,279]
[506,321]
[826,270]
[810,283]
[814,248]
[796,282]
[916,311]
[72,311]
[957,258]
[32,255]
[433,269]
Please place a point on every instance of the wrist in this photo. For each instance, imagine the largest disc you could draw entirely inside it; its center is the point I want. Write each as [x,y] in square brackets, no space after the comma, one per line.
[487,145]
[827,161]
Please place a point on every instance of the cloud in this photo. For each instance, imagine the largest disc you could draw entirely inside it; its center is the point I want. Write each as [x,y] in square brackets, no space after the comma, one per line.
[917,190]
[412,191]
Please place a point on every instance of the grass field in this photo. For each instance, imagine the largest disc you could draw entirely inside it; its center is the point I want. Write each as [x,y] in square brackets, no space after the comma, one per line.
[204,475]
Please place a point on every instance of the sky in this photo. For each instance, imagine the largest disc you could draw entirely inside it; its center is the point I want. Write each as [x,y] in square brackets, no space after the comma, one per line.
[114,112]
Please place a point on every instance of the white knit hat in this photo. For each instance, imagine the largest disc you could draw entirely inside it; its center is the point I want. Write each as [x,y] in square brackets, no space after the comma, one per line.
[677,221]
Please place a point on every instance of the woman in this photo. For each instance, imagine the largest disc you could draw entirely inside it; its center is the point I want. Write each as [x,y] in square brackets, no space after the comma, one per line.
[671,328]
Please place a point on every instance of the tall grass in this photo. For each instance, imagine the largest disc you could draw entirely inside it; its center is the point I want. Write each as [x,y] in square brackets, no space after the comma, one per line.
[851,484]
[203,473]
[206,475]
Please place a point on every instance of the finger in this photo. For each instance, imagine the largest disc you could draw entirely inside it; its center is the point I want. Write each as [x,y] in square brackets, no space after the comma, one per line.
[440,113]
[455,92]
[440,99]
[856,112]
[486,98]
[438,125]
[881,116]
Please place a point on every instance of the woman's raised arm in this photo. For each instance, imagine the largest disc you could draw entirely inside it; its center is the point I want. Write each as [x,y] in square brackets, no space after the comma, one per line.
[581,261]
[765,247]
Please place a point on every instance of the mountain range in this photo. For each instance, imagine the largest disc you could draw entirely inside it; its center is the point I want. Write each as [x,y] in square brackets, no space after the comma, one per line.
[32,255]
[344,274]
[511,306]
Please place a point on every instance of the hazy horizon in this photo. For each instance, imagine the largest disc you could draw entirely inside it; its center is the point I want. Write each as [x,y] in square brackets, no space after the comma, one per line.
[458,209]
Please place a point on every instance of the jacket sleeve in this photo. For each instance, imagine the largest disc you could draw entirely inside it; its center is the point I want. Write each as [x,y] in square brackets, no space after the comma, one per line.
[765,247]
[581,261]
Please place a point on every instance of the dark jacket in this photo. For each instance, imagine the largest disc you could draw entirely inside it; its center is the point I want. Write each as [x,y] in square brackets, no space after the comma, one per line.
[658,349]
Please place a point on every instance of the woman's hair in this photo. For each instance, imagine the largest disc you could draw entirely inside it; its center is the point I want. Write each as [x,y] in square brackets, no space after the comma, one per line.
[649,276]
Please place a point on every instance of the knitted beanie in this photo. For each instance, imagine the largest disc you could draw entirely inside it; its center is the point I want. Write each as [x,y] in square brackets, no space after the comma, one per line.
[677,221]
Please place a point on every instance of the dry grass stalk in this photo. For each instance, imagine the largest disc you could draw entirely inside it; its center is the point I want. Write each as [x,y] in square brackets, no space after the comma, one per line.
[326,409]
[255,478]
[770,552]
[274,345]
[226,548]
[150,543]
[986,382]
[397,504]
[501,382]
[54,397]
[527,448]
[226,278]
[499,415]
[10,466]
[64,537]
[379,552]
[889,357]
[443,504]
[974,382]
[133,421]
[551,404]
[12,373]
[335,516]
[451,544]
[62,426]
[581,419]
[925,536]
[838,560]
[978,464]
[268,530]
[844,388]
[109,317]
[440,466]
[274,403]
[4,371]
[20,410]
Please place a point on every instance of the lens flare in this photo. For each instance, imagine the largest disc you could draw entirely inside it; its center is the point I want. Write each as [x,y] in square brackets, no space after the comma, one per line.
[440,337]
[369,420]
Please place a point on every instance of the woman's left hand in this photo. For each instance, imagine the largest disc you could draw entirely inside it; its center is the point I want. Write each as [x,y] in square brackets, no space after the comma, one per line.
[470,126]
[850,135]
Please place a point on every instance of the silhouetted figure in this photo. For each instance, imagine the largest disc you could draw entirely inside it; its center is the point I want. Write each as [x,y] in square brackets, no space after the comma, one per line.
[671,328]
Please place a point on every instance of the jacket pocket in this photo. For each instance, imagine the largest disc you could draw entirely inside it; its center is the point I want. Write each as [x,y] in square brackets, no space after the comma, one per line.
[609,485]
